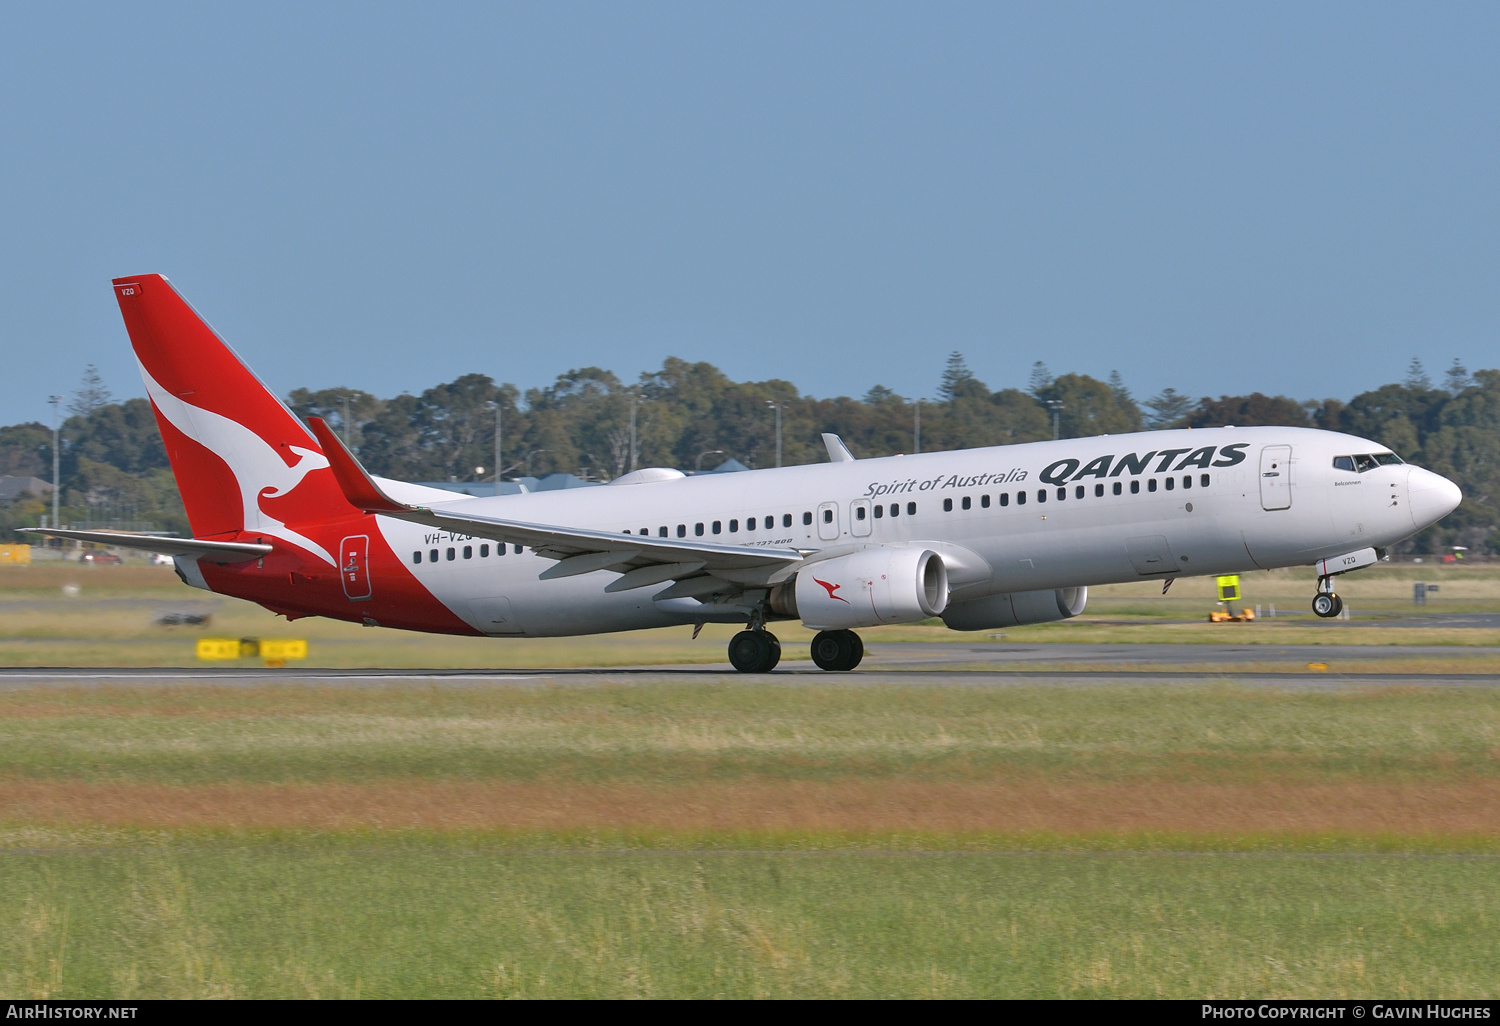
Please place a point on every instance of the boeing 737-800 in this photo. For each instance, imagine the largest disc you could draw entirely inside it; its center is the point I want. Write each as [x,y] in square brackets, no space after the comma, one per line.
[283,514]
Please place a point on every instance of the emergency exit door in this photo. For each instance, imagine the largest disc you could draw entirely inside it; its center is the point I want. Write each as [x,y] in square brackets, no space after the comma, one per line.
[354,569]
[1276,477]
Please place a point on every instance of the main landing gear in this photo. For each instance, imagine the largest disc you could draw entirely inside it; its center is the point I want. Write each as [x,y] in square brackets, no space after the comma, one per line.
[754,651]
[1326,602]
[757,651]
[837,650]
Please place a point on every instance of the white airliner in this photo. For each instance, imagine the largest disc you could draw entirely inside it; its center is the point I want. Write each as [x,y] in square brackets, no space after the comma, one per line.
[983,538]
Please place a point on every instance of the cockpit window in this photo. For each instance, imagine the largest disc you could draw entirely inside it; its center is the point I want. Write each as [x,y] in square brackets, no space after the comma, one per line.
[1366,461]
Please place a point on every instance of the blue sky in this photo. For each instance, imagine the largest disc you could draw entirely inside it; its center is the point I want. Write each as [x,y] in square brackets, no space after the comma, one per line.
[1217,197]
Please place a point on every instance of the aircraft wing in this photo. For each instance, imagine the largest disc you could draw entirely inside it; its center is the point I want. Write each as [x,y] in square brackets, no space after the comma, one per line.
[642,560]
[213,551]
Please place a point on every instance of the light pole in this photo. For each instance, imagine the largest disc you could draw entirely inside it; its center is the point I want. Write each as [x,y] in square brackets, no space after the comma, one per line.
[778,408]
[498,466]
[633,401]
[916,429]
[1055,405]
[698,468]
[56,458]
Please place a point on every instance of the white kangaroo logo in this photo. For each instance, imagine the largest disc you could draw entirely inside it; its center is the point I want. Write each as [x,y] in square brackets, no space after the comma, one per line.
[256,466]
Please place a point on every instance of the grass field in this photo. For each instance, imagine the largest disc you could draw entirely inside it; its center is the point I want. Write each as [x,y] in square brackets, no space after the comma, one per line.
[640,834]
[735,839]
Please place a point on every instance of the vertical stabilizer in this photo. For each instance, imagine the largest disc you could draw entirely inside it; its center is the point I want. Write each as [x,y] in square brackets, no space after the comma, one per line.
[242,461]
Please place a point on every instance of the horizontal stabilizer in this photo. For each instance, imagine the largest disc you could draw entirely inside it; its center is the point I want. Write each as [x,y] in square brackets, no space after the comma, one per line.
[212,551]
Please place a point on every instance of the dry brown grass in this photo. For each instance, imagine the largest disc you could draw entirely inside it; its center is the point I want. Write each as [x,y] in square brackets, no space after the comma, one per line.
[1465,807]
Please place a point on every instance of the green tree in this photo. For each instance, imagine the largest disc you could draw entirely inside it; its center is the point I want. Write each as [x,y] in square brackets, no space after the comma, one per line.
[1250,410]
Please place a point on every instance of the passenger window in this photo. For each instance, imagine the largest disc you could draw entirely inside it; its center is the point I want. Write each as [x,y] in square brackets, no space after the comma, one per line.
[828,516]
[484,551]
[698,530]
[682,530]
[879,511]
[718,527]
[807,518]
[518,550]
[1041,495]
[468,552]
[1062,493]
[1202,480]
[770,523]
[1079,492]
[1098,491]
[1364,463]
[786,520]
[1005,498]
[734,527]
[1343,463]
[895,509]
[1117,488]
[416,557]
[1020,498]
[859,512]
[452,555]
[911,509]
[1135,487]
[1171,483]
[984,500]
[749,523]
[432,555]
[1151,485]
[947,505]
[662,531]
[1187,480]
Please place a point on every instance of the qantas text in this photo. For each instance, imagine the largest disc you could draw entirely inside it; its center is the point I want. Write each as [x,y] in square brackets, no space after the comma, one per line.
[1063,471]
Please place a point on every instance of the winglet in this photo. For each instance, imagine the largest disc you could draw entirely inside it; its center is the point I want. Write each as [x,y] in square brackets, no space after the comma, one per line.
[358,487]
[838,452]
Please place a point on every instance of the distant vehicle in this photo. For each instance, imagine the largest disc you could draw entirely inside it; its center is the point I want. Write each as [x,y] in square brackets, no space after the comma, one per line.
[984,538]
[160,559]
[102,558]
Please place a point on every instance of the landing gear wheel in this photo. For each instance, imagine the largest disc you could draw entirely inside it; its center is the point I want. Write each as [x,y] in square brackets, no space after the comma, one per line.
[1327,605]
[754,651]
[837,650]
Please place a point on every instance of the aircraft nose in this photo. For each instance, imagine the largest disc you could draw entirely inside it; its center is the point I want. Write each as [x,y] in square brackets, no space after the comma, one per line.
[1433,497]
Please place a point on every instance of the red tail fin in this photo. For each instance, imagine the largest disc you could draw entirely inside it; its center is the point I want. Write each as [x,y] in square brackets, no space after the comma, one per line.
[243,462]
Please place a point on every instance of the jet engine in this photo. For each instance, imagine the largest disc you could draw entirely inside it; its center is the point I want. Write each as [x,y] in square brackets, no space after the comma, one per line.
[1016,609]
[868,588]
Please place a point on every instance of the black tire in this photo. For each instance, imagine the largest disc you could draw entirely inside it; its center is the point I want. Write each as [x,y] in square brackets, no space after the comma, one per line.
[754,651]
[837,650]
[858,652]
[773,651]
[1327,605]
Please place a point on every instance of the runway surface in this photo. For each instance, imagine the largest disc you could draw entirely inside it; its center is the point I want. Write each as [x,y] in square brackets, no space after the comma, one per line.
[928,663]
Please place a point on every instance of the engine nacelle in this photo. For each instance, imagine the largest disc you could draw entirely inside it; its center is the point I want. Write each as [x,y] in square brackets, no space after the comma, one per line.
[872,587]
[1016,609]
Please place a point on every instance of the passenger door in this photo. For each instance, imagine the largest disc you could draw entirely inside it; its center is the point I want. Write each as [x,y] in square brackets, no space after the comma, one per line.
[354,569]
[1276,477]
[828,521]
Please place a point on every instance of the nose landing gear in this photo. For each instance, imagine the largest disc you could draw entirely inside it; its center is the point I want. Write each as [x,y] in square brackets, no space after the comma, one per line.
[1326,602]
[837,650]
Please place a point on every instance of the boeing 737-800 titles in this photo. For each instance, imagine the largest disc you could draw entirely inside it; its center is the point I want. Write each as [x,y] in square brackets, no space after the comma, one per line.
[983,538]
